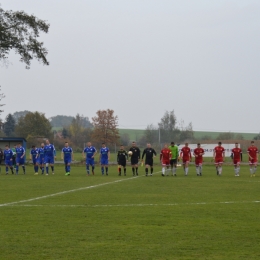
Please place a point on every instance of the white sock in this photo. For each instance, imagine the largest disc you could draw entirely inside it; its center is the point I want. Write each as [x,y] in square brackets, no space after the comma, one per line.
[200,168]
[220,170]
[254,170]
[238,170]
[174,170]
[251,170]
[163,170]
[186,170]
[197,170]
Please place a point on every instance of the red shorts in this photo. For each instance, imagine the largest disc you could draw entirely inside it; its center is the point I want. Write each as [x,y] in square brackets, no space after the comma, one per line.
[236,161]
[185,160]
[198,162]
[218,160]
[253,162]
[166,162]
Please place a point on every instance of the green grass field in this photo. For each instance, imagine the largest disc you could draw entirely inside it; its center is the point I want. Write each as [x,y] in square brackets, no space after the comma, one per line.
[112,217]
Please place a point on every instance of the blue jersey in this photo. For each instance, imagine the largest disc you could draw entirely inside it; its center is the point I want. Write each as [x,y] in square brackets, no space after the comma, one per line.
[8,154]
[34,153]
[67,151]
[41,152]
[19,152]
[49,150]
[104,153]
[89,151]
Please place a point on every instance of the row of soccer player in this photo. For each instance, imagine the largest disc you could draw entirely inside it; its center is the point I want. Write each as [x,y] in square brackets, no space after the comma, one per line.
[44,157]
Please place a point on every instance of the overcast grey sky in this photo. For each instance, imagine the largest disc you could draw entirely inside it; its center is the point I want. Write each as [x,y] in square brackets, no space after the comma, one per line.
[141,58]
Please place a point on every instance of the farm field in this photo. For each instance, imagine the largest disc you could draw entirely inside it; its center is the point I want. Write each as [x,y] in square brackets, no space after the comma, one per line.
[126,217]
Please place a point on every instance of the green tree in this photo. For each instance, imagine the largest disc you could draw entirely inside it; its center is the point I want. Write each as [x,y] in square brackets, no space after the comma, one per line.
[9,125]
[168,129]
[151,134]
[78,131]
[16,115]
[34,125]
[19,32]
[61,121]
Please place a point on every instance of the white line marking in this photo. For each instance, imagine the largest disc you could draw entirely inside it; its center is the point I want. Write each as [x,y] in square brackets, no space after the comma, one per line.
[136,205]
[69,191]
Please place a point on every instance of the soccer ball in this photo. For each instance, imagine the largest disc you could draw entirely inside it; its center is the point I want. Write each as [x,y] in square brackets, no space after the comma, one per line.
[130,153]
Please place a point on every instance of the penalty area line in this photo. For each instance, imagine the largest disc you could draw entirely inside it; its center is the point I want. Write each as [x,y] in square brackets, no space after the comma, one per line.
[68,191]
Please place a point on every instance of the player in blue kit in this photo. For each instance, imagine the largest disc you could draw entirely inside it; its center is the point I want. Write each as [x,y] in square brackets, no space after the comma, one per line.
[34,157]
[67,155]
[90,152]
[8,157]
[49,156]
[41,157]
[20,157]
[104,158]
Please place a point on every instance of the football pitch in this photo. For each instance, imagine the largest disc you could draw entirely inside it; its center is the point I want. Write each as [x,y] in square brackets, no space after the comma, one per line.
[126,217]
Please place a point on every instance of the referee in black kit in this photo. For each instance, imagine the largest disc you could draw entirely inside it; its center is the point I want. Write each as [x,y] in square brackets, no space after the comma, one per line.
[135,157]
[149,153]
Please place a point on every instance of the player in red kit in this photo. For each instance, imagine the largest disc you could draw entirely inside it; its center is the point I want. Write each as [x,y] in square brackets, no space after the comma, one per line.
[219,156]
[253,158]
[185,155]
[165,158]
[198,153]
[236,155]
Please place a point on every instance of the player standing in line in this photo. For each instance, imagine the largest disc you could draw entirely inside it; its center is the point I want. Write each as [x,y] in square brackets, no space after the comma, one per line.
[49,156]
[198,153]
[20,154]
[165,158]
[8,157]
[104,157]
[41,157]
[219,156]
[90,152]
[149,153]
[236,155]
[68,156]
[34,157]
[14,155]
[121,160]
[253,158]
[175,154]
[185,155]
[135,157]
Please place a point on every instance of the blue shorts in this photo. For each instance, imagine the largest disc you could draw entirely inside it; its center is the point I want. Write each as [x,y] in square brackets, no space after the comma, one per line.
[104,161]
[90,161]
[9,163]
[35,160]
[40,160]
[66,161]
[49,159]
[20,161]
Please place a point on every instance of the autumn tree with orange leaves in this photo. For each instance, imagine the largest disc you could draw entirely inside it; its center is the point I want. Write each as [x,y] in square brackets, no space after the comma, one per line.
[105,127]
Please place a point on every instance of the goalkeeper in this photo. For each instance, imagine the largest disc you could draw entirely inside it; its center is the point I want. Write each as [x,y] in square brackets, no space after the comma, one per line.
[175,155]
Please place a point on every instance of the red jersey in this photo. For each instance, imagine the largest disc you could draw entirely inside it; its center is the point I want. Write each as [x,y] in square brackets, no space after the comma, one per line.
[236,154]
[219,152]
[199,152]
[165,154]
[252,152]
[185,151]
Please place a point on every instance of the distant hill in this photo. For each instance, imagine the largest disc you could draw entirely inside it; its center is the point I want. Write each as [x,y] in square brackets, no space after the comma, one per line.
[134,134]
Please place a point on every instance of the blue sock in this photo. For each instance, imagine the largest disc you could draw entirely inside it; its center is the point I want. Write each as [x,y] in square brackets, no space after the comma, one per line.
[6,168]
[102,170]
[47,169]
[52,168]
[88,169]
[23,168]
[36,168]
[17,169]
[106,169]
[68,168]
[42,168]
